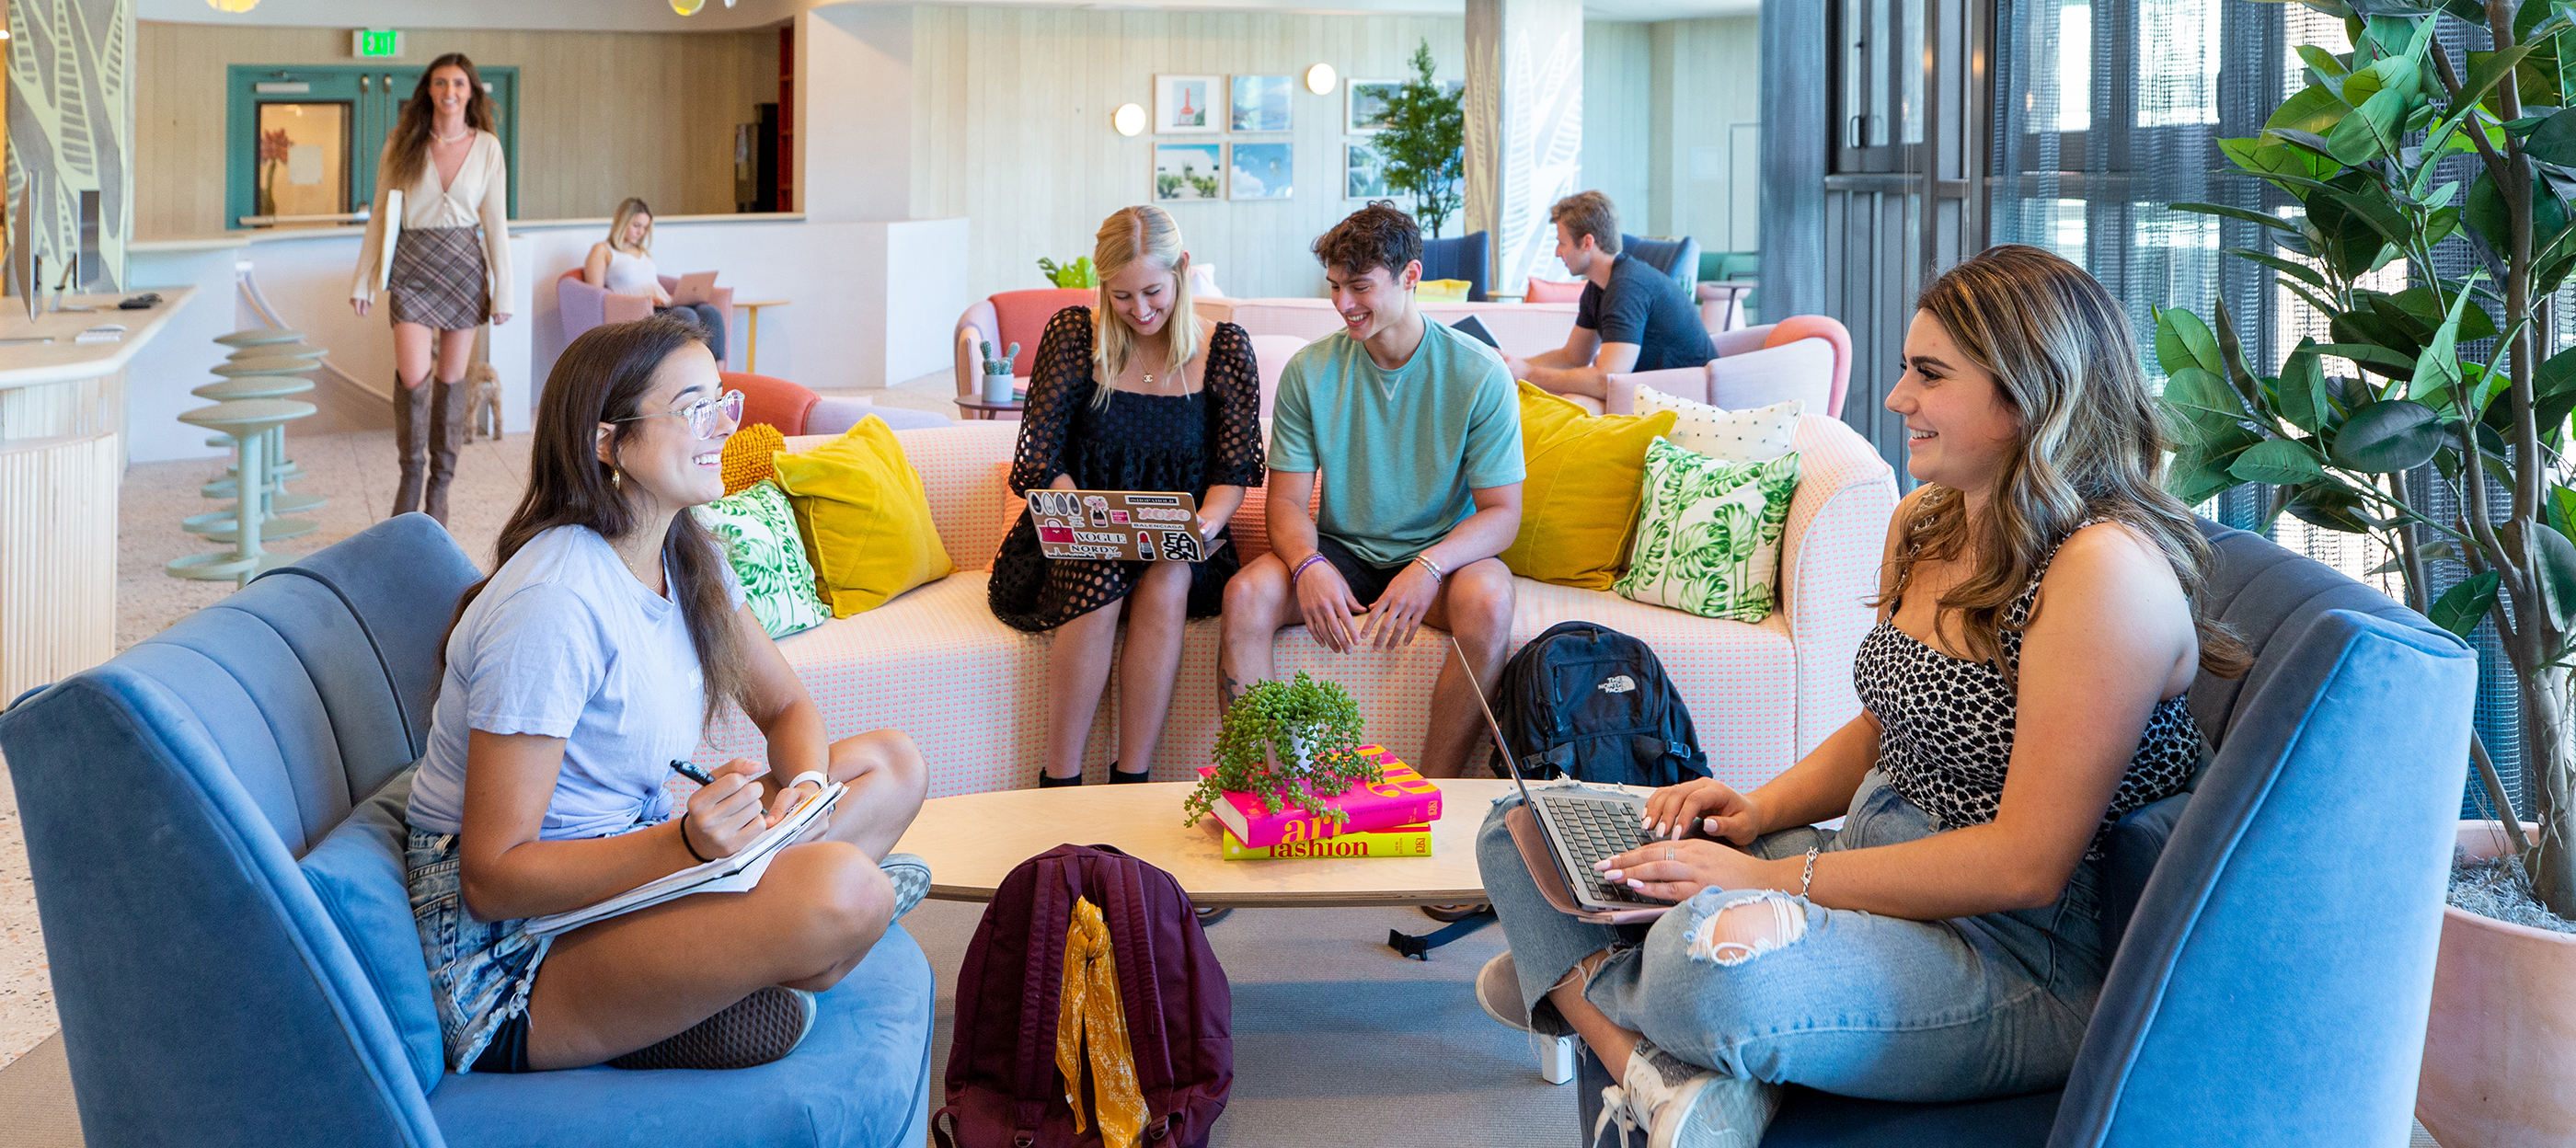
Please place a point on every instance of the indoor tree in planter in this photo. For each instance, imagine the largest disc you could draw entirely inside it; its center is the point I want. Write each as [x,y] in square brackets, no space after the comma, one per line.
[1425,144]
[2360,149]
[1290,743]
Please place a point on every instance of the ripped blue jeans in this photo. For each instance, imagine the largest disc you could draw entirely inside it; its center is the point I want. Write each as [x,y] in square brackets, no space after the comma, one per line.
[1860,1004]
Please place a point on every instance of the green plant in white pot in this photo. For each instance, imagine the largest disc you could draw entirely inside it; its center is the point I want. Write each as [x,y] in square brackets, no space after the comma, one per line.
[1290,743]
[2360,149]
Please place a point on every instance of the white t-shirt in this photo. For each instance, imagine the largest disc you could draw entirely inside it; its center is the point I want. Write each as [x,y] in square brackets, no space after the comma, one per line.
[565,642]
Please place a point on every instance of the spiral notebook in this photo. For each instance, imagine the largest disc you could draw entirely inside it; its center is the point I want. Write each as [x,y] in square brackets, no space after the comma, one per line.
[734,874]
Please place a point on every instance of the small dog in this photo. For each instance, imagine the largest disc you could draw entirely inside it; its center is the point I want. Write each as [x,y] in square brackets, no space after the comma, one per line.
[483,405]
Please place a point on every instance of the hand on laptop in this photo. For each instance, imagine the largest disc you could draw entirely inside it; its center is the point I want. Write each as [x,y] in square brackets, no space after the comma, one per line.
[1675,870]
[1398,613]
[1706,805]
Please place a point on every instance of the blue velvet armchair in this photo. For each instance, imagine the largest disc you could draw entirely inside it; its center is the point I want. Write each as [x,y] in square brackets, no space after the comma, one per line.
[2275,927]
[214,820]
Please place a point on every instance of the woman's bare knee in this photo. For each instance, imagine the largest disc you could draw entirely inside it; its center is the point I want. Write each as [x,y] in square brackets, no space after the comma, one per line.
[841,901]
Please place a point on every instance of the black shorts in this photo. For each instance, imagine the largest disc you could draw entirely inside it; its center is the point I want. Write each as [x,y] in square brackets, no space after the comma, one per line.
[1367,580]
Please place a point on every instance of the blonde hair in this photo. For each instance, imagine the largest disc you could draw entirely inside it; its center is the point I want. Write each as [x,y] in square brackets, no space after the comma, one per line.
[2090,446]
[1131,234]
[617,225]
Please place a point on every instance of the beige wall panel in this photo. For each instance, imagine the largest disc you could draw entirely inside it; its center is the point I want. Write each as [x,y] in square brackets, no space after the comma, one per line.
[1617,118]
[57,558]
[1013,128]
[1706,82]
[603,115]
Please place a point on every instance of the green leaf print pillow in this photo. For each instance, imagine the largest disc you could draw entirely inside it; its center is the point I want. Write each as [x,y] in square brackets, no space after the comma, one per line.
[759,534]
[1708,540]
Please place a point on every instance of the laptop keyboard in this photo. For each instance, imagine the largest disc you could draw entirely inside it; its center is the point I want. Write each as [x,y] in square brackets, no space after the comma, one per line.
[1592,830]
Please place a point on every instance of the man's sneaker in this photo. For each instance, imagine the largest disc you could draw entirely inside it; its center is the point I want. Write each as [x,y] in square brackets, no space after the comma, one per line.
[1680,1105]
[911,877]
[762,1027]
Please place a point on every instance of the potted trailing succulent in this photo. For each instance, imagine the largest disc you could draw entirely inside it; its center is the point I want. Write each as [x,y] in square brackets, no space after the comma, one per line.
[1425,143]
[1288,743]
[2448,460]
[997,372]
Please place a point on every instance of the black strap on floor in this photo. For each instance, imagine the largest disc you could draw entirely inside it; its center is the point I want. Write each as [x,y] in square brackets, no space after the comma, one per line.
[1419,948]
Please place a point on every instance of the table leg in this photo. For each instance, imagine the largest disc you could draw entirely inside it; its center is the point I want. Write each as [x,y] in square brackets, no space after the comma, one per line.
[751,351]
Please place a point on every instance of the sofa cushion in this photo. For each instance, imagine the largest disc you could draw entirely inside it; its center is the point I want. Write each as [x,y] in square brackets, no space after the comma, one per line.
[357,871]
[862,1076]
[865,520]
[1708,540]
[768,558]
[1579,501]
[750,455]
[1759,434]
[2129,854]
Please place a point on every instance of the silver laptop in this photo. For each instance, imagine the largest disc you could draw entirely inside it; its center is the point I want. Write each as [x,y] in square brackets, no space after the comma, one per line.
[1581,825]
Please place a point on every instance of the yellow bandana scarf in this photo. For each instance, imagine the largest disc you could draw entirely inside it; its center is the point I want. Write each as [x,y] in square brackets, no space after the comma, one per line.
[1090,1005]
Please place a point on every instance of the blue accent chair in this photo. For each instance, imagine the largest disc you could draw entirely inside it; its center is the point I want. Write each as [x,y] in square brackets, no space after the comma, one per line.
[1677,257]
[1462,258]
[215,822]
[2276,927]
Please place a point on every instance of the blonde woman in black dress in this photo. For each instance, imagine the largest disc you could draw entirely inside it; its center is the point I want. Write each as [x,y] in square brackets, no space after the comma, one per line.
[1136,393]
[451,265]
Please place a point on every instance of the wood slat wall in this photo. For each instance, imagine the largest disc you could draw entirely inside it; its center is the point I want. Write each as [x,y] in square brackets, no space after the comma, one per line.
[604,115]
[1012,130]
[1617,117]
[57,557]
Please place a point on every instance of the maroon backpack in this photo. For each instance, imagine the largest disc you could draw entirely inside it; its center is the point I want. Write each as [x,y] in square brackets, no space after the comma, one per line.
[1003,1086]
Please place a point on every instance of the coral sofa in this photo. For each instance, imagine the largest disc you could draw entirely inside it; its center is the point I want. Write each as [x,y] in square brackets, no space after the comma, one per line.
[935,663]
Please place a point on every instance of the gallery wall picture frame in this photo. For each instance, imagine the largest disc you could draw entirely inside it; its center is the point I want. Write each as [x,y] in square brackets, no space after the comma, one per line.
[1189,105]
[1261,170]
[1189,172]
[1259,103]
[1363,172]
[1365,106]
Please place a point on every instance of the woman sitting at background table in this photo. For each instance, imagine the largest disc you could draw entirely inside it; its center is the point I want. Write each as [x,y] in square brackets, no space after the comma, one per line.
[623,263]
[1137,393]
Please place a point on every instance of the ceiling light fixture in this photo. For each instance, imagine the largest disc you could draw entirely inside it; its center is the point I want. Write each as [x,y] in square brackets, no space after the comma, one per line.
[236,6]
[685,7]
[1320,79]
[1129,119]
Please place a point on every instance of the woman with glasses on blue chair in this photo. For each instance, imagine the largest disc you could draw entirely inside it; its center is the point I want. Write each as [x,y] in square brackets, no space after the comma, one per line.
[611,633]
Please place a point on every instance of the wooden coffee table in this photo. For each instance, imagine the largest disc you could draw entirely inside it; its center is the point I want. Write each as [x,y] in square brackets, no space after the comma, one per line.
[974,840]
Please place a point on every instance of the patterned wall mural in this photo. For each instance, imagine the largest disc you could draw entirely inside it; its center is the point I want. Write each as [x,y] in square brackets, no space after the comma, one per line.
[71,121]
[1524,112]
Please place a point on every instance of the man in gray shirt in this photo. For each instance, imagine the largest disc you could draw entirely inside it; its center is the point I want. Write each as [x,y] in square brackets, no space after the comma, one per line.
[1631,318]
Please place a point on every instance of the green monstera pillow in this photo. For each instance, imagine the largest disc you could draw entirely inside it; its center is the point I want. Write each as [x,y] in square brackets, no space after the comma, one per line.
[1708,540]
[759,534]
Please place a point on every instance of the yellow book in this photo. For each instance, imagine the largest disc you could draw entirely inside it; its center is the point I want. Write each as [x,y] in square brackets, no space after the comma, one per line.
[1401,841]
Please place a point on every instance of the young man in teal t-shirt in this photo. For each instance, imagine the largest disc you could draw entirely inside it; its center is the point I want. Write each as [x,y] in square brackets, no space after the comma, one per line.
[1416,431]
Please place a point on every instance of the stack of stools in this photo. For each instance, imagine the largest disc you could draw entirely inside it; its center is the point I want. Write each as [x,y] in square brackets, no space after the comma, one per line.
[250,414]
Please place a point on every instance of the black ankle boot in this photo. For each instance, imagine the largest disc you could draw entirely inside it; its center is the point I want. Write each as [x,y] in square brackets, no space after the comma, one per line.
[1119,776]
[1045,781]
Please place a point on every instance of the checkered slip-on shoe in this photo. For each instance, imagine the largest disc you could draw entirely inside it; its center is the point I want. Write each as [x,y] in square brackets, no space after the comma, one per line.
[762,1027]
[911,877]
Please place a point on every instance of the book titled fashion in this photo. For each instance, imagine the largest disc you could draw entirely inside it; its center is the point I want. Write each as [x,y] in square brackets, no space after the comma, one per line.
[1400,797]
[1402,841]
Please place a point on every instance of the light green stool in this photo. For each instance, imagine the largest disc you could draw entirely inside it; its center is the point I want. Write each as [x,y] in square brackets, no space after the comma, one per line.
[278,351]
[279,500]
[260,337]
[248,421]
[266,365]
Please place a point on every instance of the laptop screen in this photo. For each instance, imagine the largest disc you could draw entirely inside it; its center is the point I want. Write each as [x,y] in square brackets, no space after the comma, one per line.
[1491,725]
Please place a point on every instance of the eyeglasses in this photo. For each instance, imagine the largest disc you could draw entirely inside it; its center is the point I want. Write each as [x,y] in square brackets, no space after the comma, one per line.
[702,414]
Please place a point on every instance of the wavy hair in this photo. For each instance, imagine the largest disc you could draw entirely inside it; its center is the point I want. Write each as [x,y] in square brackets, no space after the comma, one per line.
[407,146]
[2090,445]
[1130,235]
[603,377]
[626,211]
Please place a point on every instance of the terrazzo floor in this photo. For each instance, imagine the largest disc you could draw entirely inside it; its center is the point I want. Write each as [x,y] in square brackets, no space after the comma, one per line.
[356,471]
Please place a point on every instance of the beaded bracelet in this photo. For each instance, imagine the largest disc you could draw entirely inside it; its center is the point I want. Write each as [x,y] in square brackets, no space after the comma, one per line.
[1808,879]
[1300,571]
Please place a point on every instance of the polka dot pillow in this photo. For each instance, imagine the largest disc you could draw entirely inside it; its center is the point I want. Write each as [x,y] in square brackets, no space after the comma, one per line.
[1757,435]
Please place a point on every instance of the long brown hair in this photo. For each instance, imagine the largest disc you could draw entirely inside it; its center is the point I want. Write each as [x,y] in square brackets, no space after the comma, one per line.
[602,377]
[407,146]
[2090,446]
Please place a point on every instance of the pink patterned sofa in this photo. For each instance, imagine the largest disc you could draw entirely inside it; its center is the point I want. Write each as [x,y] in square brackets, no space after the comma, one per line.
[971,691]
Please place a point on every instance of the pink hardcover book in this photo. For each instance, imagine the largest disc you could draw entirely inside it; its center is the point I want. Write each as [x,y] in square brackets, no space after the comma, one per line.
[1401,798]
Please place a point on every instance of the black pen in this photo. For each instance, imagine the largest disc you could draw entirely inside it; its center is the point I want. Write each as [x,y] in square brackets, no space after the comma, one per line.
[691,772]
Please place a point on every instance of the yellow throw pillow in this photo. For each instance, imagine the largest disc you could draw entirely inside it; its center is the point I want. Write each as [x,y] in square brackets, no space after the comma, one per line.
[866,522]
[747,456]
[1586,478]
[1441,291]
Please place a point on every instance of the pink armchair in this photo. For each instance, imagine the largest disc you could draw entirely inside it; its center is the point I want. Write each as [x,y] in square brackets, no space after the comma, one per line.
[1804,357]
[1007,318]
[582,306]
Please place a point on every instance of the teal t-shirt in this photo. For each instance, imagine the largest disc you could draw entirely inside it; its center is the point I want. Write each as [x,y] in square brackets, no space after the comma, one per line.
[1398,450]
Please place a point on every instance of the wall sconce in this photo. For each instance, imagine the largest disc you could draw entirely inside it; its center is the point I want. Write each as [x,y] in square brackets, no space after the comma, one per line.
[1129,119]
[232,5]
[1320,79]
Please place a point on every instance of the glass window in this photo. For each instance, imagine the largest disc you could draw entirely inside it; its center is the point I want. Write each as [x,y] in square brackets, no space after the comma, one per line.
[303,163]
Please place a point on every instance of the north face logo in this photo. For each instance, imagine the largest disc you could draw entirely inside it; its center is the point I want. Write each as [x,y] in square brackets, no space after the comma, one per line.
[1618,684]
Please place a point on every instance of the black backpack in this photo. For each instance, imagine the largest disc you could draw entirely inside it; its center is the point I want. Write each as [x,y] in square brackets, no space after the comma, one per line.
[1586,700]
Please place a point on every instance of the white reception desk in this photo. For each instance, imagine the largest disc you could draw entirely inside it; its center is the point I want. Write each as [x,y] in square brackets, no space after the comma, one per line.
[62,452]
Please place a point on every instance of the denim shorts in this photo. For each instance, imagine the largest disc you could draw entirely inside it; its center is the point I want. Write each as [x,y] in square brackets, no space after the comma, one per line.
[1862,1005]
[479,971]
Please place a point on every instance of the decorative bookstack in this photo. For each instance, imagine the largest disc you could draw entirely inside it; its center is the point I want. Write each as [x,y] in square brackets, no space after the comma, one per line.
[1391,818]
[250,414]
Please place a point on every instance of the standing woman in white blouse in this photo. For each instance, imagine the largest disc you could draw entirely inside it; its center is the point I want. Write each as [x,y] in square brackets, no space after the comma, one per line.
[446,278]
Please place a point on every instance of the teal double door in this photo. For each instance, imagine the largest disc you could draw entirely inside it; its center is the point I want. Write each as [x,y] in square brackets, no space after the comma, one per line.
[301,142]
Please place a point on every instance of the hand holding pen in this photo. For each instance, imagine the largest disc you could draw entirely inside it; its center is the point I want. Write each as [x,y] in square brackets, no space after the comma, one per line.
[725,814]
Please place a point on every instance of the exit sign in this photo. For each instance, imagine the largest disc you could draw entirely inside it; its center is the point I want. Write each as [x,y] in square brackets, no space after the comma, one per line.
[376,43]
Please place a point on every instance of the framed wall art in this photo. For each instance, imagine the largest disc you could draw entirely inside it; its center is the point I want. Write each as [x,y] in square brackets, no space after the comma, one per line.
[1366,110]
[1259,103]
[1188,171]
[1364,172]
[1188,104]
[1261,171]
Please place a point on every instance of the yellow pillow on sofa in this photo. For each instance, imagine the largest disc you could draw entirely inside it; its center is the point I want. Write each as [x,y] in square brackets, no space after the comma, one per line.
[866,522]
[1586,477]
[1441,290]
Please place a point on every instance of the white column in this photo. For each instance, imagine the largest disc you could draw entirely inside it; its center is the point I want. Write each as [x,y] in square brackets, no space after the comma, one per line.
[1524,106]
[853,142]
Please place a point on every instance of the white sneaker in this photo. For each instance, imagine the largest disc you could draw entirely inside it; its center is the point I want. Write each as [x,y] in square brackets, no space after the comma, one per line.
[1679,1106]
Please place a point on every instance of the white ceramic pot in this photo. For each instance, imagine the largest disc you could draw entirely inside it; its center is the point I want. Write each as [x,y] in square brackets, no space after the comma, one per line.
[997,388]
[2500,1045]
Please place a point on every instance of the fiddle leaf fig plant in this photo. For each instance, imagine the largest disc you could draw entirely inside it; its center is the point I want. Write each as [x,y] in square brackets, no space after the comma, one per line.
[2338,430]
[1289,743]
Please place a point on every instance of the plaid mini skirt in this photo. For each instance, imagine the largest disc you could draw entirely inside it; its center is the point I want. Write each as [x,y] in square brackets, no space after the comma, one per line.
[439,279]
